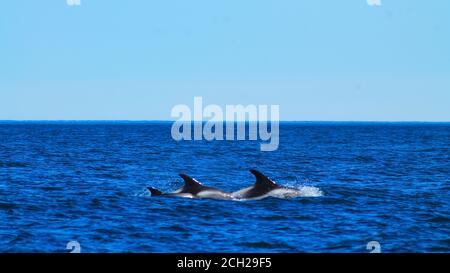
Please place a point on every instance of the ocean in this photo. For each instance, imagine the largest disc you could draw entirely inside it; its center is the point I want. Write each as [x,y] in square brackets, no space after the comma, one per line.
[360,182]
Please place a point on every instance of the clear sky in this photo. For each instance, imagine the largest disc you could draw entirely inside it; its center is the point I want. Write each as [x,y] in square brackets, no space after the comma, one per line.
[135,60]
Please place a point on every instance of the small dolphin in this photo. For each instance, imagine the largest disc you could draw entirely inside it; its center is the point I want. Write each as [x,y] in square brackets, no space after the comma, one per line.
[193,189]
[265,187]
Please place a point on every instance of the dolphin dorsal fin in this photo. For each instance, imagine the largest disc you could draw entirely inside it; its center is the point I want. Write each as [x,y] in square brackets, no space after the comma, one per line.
[262,180]
[190,182]
[155,192]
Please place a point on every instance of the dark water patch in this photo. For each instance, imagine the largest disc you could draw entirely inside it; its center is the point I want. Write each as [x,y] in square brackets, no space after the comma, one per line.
[274,218]
[22,235]
[35,208]
[52,188]
[176,228]
[349,179]
[304,218]
[438,249]
[113,176]
[337,201]
[445,242]
[8,206]
[266,245]
[439,219]
[430,150]
[13,164]
[95,203]
[108,232]
[363,158]
[60,215]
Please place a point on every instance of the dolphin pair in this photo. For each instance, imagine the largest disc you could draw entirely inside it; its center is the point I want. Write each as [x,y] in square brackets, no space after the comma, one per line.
[264,187]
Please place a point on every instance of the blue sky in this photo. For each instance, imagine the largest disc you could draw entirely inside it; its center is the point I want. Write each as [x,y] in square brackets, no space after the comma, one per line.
[135,60]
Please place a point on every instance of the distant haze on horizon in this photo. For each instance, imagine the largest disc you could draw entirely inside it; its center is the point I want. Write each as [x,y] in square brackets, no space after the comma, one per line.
[135,60]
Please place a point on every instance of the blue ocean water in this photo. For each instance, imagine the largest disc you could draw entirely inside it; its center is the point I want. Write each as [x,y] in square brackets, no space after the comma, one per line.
[85,182]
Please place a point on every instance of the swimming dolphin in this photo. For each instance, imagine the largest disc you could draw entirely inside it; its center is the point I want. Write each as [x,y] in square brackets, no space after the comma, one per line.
[265,187]
[193,189]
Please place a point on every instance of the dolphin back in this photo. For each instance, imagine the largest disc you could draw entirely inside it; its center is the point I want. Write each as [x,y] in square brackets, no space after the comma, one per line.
[260,189]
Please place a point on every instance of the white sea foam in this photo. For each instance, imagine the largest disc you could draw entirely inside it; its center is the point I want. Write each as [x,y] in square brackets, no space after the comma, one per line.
[309,191]
[302,191]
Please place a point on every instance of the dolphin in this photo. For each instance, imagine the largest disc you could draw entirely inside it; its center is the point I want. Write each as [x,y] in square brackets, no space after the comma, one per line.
[193,189]
[265,187]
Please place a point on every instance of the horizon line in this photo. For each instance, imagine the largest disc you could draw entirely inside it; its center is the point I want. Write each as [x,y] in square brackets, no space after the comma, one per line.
[168,120]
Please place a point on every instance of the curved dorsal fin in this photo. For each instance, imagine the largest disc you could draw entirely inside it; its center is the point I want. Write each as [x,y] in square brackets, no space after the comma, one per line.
[262,180]
[155,192]
[190,182]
